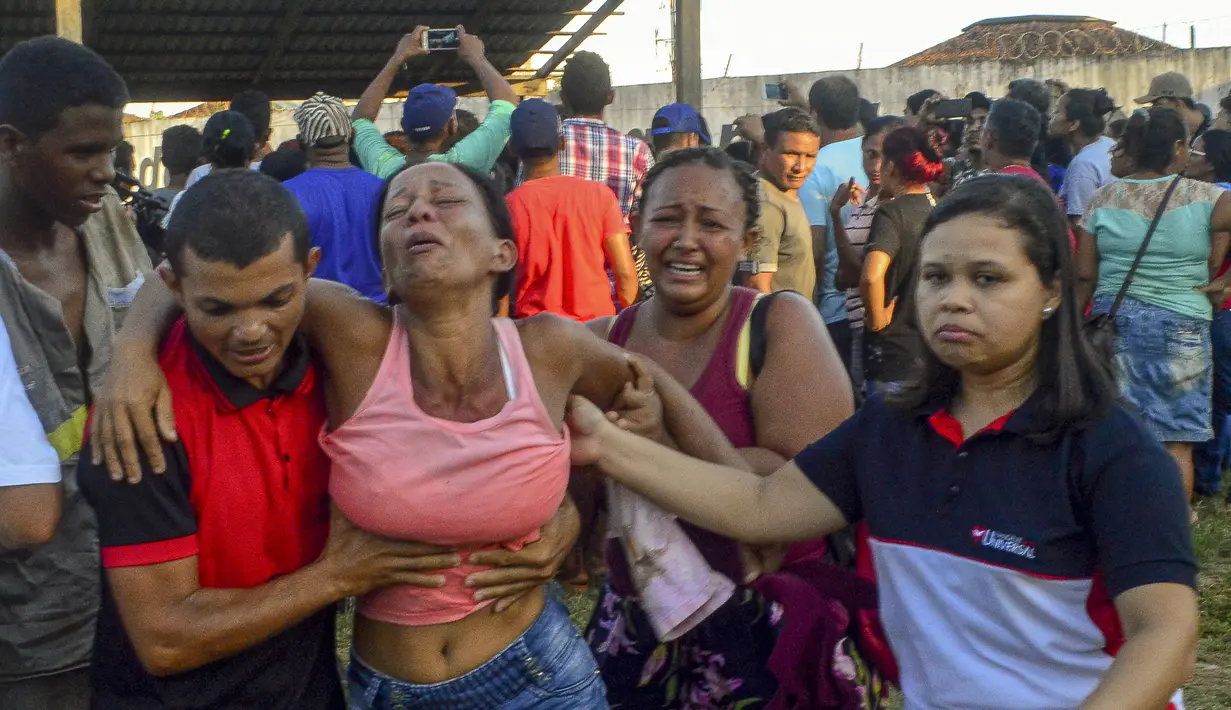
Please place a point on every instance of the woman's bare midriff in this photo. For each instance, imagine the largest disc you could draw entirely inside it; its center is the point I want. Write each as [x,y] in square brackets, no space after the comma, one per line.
[434,654]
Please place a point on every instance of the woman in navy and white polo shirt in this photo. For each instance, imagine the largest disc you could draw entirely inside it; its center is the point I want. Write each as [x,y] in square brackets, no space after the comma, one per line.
[1043,561]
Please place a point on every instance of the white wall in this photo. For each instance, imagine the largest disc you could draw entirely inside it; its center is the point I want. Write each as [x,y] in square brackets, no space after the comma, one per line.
[1125,78]
[146,136]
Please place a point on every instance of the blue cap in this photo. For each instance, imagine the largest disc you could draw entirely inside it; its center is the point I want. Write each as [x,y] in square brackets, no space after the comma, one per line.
[428,110]
[534,126]
[679,118]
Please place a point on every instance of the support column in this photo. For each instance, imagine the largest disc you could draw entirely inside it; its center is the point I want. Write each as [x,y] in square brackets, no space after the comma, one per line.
[688,52]
[68,19]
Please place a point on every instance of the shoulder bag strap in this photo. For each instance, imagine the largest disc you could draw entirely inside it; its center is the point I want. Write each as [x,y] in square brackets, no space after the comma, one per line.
[1145,244]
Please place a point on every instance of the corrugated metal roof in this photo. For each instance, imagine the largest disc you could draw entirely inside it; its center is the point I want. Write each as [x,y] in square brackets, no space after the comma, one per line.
[1031,37]
[211,49]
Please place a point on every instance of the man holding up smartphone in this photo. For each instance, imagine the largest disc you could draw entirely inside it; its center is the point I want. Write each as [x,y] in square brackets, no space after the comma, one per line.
[429,115]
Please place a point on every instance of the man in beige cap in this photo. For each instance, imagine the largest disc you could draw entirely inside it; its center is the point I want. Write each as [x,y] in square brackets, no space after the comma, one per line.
[1174,90]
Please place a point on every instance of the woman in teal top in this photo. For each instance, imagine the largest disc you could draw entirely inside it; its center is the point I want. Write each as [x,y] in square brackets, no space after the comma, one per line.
[1163,362]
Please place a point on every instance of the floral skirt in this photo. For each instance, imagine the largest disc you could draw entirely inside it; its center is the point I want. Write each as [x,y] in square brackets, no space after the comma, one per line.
[720,665]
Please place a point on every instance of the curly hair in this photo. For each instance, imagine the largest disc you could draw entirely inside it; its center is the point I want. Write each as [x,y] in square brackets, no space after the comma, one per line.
[717,159]
[586,83]
[910,150]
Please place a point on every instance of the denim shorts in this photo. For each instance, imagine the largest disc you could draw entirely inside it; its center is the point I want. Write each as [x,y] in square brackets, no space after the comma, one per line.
[548,668]
[1164,369]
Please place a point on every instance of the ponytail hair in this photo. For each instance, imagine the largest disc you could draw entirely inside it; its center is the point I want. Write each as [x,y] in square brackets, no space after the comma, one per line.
[1150,137]
[228,140]
[909,149]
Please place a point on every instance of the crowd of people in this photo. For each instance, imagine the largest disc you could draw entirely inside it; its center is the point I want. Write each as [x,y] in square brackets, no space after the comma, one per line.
[851,402]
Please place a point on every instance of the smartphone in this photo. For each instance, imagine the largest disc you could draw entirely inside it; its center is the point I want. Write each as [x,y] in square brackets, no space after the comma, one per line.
[440,40]
[728,135]
[774,92]
[953,108]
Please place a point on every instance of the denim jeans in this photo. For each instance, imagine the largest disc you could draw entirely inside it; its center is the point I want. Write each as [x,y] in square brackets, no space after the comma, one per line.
[548,668]
[1209,457]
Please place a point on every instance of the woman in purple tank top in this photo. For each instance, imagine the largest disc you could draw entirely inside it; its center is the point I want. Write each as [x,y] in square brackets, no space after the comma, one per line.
[697,217]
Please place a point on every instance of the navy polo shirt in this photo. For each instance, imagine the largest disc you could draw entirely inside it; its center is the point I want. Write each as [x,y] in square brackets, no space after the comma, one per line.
[246,494]
[997,558]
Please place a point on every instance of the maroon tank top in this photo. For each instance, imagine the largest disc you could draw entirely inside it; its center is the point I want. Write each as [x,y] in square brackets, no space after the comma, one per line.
[728,404]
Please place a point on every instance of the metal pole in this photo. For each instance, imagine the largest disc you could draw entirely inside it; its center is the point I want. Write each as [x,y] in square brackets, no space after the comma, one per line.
[688,52]
[68,19]
[1192,36]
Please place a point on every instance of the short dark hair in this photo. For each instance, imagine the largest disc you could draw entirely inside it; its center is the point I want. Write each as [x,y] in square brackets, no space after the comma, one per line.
[1218,152]
[881,124]
[835,99]
[41,78]
[1075,388]
[1016,127]
[1151,135]
[669,141]
[124,160]
[586,83]
[914,102]
[717,159]
[1224,104]
[256,107]
[868,112]
[1033,92]
[978,99]
[181,149]
[1090,107]
[497,209]
[739,151]
[236,217]
[787,120]
[283,165]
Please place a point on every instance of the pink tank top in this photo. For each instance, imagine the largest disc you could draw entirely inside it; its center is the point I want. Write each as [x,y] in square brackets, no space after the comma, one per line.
[401,473]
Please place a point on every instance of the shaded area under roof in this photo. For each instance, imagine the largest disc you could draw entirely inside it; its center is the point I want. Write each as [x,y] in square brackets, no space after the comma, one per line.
[1030,37]
[190,50]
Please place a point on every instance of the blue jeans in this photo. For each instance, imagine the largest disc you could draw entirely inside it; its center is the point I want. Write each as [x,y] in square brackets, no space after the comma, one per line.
[548,668]
[1209,457]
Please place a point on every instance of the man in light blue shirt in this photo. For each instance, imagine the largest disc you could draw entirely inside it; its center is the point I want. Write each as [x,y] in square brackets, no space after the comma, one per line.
[834,102]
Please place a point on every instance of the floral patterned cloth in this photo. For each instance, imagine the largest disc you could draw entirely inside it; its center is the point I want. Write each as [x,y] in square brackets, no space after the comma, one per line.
[720,665]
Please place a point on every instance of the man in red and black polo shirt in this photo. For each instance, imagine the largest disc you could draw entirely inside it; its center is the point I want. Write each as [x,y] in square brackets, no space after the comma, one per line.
[221,574]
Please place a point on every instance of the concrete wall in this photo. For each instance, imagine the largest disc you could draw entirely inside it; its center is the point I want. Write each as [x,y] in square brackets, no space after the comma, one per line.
[1125,78]
[146,136]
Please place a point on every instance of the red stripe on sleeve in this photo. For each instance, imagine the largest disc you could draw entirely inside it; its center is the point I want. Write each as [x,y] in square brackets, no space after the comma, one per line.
[150,553]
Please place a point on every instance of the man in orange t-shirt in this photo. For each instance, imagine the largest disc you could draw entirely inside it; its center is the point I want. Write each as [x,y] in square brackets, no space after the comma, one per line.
[567,229]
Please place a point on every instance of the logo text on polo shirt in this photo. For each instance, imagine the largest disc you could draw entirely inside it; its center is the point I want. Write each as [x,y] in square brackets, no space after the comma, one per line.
[1003,542]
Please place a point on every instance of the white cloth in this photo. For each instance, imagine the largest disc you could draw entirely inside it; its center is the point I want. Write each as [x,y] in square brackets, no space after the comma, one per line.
[26,457]
[677,587]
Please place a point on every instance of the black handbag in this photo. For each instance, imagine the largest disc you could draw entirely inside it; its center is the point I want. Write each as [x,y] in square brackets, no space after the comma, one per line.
[1100,329]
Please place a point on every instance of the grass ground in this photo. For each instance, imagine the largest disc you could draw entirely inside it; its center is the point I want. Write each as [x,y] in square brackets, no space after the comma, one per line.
[1210,688]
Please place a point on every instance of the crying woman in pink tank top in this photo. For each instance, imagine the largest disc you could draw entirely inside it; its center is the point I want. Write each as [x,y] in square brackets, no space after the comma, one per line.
[447,426]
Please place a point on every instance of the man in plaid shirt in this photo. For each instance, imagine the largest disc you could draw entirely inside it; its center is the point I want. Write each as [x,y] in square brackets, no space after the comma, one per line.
[595,151]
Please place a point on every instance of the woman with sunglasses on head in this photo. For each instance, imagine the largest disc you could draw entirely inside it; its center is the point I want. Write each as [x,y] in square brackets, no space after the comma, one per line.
[1162,339]
[1030,538]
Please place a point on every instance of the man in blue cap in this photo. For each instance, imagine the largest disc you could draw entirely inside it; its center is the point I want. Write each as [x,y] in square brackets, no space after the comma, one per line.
[677,126]
[566,227]
[428,117]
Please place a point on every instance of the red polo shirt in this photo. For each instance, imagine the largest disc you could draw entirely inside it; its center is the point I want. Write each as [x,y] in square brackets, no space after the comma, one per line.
[246,494]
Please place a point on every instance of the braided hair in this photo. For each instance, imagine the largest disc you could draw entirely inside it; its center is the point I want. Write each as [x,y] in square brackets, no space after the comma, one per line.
[717,159]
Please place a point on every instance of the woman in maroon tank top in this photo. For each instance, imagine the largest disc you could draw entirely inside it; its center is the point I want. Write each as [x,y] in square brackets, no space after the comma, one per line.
[698,215]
